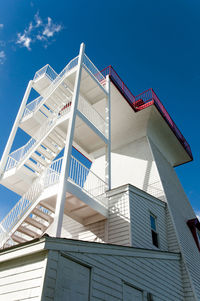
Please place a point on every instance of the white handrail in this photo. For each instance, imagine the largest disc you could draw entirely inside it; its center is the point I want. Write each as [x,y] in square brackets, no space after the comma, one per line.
[31,106]
[19,155]
[80,175]
[35,104]
[93,69]
[50,72]
[92,115]
[19,210]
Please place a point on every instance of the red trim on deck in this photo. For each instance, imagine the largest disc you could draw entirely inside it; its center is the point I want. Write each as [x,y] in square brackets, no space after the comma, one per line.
[144,100]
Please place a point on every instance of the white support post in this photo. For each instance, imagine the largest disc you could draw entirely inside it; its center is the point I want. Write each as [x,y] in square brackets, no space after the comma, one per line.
[14,128]
[108,132]
[68,149]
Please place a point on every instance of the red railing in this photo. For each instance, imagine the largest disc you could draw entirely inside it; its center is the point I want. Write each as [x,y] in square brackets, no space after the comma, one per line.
[144,100]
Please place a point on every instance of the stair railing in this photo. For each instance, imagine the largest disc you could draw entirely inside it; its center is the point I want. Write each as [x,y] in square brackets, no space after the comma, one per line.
[81,176]
[56,79]
[20,154]
[92,115]
[9,223]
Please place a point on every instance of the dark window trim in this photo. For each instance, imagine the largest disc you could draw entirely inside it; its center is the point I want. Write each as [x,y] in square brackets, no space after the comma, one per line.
[194,225]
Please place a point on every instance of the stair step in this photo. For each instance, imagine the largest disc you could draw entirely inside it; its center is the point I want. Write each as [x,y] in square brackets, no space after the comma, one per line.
[43,215]
[64,87]
[56,138]
[47,206]
[33,166]
[45,111]
[56,101]
[18,239]
[35,224]
[45,153]
[39,159]
[60,133]
[48,144]
[28,232]
[50,104]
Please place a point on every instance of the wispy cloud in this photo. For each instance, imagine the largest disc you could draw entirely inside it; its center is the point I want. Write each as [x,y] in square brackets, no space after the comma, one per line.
[38,30]
[198,215]
[1,26]
[2,57]
[51,28]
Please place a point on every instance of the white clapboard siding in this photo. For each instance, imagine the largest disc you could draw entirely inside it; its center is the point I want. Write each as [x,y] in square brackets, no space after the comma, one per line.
[119,217]
[187,289]
[75,230]
[180,211]
[141,205]
[147,271]
[173,245]
[22,279]
[51,276]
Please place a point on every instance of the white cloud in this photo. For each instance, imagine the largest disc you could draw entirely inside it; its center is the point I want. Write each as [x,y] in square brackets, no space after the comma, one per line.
[2,57]
[198,215]
[1,26]
[24,40]
[38,20]
[50,28]
[38,30]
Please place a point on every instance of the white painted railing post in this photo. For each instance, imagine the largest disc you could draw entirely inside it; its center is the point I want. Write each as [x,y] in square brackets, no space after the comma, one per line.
[68,149]
[14,128]
[108,135]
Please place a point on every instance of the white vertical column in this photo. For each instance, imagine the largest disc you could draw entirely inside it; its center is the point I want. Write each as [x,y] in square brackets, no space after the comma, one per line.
[14,128]
[68,149]
[108,133]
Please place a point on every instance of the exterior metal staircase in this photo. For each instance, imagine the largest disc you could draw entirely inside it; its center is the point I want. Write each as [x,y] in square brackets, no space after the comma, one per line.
[32,216]
[44,120]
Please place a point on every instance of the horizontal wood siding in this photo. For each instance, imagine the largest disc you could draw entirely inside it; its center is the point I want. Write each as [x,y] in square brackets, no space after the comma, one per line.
[140,209]
[187,289]
[180,211]
[22,279]
[119,218]
[171,235]
[73,229]
[51,276]
[161,277]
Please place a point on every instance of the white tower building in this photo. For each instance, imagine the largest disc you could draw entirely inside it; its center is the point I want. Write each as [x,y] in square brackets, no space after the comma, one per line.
[126,197]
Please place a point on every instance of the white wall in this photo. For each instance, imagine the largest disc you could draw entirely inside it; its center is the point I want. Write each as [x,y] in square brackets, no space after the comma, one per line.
[73,229]
[119,217]
[112,266]
[180,211]
[141,205]
[132,164]
[22,278]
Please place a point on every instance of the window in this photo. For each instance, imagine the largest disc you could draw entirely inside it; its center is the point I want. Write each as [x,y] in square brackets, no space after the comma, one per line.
[154,233]
[198,235]
[194,226]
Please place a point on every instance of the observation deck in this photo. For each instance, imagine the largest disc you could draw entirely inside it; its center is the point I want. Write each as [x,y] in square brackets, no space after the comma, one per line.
[144,100]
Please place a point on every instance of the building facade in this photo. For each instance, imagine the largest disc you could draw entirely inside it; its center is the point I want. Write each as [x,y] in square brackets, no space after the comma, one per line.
[97,177]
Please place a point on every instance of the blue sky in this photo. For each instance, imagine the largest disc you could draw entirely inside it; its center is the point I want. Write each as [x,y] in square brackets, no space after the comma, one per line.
[151,44]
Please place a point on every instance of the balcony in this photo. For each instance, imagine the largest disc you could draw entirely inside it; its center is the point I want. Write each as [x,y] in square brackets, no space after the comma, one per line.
[144,100]
[86,200]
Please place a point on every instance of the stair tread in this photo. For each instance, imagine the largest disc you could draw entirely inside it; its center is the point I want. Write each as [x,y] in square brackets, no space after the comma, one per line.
[18,239]
[33,166]
[39,159]
[45,153]
[35,223]
[27,231]
[43,215]
[47,206]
